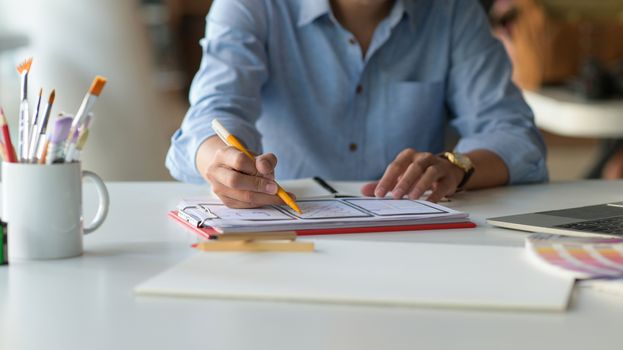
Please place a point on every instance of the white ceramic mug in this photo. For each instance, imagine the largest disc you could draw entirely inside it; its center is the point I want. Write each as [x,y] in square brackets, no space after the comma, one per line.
[42,205]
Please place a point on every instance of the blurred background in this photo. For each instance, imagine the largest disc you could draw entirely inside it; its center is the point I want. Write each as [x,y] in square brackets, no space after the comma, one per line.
[567,57]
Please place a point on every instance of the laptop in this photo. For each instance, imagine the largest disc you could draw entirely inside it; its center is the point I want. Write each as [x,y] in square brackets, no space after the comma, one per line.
[594,220]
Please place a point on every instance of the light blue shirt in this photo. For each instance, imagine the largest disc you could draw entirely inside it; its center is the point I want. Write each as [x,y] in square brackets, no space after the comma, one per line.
[285,77]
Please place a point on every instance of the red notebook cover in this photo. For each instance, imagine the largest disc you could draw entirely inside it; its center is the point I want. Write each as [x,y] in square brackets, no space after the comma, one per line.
[208,231]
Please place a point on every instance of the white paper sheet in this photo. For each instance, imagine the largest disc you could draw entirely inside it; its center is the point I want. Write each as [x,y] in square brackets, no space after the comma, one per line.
[355,272]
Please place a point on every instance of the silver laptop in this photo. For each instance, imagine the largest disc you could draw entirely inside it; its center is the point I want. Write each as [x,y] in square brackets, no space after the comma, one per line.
[602,220]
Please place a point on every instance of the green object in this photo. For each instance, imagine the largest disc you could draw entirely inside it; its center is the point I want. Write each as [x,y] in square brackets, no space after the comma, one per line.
[4,256]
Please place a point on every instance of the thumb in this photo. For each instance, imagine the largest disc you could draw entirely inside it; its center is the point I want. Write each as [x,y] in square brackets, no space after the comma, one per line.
[266,163]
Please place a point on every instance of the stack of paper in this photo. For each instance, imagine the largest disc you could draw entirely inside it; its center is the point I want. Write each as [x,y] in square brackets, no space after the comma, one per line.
[371,273]
[319,214]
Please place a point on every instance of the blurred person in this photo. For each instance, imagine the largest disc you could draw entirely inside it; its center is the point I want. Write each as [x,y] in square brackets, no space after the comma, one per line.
[355,90]
[511,16]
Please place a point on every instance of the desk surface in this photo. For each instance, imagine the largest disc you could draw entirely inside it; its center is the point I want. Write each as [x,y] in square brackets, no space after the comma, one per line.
[87,302]
[561,112]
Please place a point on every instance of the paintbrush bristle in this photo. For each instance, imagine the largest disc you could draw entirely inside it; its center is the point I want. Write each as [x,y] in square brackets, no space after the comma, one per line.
[52,97]
[61,129]
[97,86]
[24,66]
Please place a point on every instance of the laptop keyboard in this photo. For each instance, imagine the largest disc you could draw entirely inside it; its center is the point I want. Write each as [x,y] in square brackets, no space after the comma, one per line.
[612,225]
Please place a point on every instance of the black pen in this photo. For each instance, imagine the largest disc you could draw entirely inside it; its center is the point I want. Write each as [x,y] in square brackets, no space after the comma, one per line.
[329,188]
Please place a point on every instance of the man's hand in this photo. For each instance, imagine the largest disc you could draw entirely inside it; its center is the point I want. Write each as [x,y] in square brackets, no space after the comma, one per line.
[236,179]
[412,173]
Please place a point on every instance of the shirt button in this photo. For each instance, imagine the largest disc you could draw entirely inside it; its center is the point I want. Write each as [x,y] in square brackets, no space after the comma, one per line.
[352,41]
[359,89]
[352,147]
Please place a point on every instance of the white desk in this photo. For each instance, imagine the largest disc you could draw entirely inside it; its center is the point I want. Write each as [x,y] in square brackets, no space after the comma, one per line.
[87,302]
[561,112]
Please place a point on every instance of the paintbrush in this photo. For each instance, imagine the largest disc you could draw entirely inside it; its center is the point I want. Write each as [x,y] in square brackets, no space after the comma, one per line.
[24,117]
[85,108]
[33,129]
[56,146]
[41,126]
[82,137]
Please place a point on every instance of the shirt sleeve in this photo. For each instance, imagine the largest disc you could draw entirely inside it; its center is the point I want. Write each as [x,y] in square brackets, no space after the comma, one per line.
[227,86]
[490,112]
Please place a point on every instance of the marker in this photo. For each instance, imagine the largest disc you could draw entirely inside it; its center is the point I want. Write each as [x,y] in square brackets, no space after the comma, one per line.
[232,141]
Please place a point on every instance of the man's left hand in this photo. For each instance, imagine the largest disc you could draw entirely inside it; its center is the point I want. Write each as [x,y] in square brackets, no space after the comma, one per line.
[412,173]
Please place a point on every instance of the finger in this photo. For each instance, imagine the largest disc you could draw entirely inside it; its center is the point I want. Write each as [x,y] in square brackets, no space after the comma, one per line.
[240,181]
[250,198]
[265,164]
[234,159]
[410,176]
[442,188]
[413,174]
[393,171]
[236,204]
[430,176]
[368,189]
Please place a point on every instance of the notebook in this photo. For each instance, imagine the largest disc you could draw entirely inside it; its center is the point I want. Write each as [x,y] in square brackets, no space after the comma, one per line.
[317,214]
[378,273]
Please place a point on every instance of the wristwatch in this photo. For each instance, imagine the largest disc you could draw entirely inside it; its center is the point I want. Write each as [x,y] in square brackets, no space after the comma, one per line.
[463,162]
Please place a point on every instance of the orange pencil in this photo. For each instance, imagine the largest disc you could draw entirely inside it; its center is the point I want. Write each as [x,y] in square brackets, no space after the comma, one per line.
[233,141]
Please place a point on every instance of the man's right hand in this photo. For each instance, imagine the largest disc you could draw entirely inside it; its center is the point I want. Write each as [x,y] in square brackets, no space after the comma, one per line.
[236,179]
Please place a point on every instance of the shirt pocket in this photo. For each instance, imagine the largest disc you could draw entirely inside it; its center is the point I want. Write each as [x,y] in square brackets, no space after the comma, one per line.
[414,117]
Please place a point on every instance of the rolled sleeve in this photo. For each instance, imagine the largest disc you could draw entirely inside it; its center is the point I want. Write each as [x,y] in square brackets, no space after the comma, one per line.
[227,86]
[489,111]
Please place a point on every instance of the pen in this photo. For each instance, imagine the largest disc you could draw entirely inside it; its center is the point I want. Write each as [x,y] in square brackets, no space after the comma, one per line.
[231,140]
[324,184]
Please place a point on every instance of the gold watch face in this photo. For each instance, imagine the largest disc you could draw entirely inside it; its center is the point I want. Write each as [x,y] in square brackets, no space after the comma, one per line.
[460,160]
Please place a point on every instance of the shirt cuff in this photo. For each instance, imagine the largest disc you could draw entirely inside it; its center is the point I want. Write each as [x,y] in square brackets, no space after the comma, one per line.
[186,142]
[525,161]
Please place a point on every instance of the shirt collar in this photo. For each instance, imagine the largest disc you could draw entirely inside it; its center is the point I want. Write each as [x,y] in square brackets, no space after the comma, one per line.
[310,10]
[403,9]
